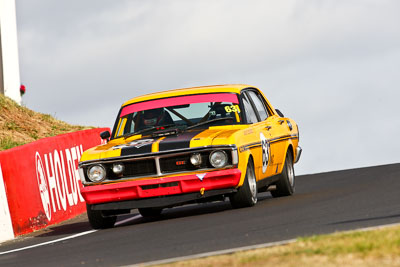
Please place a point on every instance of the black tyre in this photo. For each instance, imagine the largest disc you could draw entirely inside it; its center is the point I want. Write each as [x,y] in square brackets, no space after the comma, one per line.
[246,196]
[150,212]
[97,220]
[286,184]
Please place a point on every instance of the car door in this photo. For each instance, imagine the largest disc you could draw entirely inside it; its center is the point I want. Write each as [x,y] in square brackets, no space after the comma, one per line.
[278,129]
[265,131]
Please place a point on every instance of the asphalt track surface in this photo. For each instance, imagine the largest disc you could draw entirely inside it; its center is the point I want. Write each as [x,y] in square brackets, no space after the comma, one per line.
[323,203]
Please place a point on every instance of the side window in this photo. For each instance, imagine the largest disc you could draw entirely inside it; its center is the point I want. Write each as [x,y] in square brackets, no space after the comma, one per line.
[250,113]
[259,104]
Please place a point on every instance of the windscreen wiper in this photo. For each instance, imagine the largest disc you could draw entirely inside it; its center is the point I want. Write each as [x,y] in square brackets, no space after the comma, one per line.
[209,121]
[160,127]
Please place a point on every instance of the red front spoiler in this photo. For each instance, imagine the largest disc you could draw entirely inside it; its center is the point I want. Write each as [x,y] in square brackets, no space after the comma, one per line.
[155,187]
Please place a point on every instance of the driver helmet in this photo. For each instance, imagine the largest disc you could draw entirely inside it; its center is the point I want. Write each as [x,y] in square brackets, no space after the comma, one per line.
[152,116]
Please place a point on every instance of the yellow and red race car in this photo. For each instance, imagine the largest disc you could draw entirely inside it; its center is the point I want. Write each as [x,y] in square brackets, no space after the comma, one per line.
[190,145]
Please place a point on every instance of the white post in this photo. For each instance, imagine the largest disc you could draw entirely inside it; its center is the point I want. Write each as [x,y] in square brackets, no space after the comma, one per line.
[7,231]
[9,65]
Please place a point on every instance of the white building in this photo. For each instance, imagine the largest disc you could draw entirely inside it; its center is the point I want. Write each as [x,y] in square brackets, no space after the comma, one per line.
[9,64]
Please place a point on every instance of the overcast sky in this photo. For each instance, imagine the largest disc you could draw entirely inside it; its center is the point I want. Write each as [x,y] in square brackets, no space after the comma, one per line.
[331,65]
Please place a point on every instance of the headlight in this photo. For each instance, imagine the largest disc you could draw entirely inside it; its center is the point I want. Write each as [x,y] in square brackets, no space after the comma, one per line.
[96,173]
[218,159]
[118,168]
[195,159]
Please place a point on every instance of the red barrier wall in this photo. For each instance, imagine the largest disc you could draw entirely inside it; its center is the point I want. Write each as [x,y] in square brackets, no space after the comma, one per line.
[42,181]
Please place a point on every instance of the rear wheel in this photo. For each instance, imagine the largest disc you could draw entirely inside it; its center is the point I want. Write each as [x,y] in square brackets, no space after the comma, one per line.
[286,183]
[97,219]
[247,193]
[150,212]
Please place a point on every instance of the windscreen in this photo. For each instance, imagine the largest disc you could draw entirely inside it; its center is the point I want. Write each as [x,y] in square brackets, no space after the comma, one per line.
[182,112]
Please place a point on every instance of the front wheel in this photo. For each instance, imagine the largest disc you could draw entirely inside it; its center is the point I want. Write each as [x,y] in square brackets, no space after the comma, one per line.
[285,184]
[97,220]
[247,193]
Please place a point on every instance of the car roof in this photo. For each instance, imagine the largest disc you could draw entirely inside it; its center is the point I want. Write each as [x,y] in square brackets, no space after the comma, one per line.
[227,88]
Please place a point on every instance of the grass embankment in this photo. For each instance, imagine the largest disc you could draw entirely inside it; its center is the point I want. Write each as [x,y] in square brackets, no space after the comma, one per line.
[20,125]
[362,248]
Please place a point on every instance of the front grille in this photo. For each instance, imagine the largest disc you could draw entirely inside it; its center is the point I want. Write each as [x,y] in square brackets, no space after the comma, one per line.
[136,168]
[140,167]
[181,163]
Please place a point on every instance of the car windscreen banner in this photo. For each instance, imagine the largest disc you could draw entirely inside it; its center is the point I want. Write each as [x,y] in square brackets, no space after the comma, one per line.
[42,181]
[179,100]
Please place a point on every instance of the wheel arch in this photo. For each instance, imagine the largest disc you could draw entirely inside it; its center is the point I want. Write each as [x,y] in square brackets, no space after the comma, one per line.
[290,148]
[243,167]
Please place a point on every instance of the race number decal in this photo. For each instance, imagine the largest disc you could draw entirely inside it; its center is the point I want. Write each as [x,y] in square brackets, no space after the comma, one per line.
[265,152]
[232,108]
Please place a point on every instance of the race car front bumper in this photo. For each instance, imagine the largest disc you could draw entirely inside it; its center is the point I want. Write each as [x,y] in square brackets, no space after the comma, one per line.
[178,189]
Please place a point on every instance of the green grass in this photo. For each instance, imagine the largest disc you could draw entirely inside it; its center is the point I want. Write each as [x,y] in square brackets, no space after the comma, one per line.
[47,118]
[2,101]
[34,134]
[7,143]
[360,243]
[10,125]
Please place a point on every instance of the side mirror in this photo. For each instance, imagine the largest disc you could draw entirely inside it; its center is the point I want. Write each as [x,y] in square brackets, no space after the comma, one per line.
[105,135]
[279,113]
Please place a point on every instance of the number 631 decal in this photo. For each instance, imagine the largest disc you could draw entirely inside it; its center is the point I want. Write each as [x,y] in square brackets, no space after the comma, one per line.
[233,108]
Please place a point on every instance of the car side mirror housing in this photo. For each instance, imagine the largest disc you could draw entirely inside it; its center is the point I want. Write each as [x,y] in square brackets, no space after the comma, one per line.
[279,113]
[105,135]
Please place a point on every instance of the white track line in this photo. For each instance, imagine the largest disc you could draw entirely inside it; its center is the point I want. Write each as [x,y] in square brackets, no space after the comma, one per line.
[49,242]
[66,238]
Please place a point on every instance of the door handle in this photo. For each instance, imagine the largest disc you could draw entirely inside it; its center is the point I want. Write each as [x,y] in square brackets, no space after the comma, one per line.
[281,121]
[268,127]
